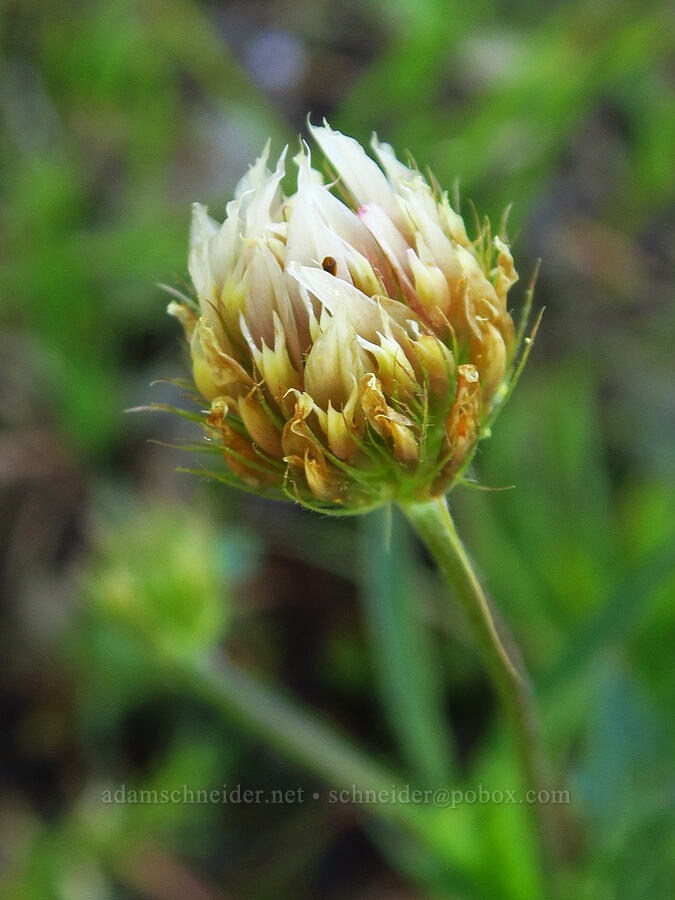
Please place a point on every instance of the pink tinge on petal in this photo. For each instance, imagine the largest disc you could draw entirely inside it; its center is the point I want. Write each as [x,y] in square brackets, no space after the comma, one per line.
[395,248]
[361,175]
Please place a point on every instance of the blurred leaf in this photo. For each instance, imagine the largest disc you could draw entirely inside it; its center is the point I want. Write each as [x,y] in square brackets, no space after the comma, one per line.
[405,658]
[546,546]
[629,605]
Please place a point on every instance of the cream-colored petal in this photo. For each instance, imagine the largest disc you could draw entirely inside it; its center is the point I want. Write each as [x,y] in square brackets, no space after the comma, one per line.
[393,366]
[260,300]
[202,226]
[310,238]
[320,223]
[259,425]
[437,363]
[452,222]
[361,175]
[506,272]
[185,316]
[256,173]
[223,248]
[490,359]
[199,262]
[437,244]
[385,232]
[393,245]
[334,363]
[396,170]
[340,429]
[278,297]
[262,202]
[333,293]
[303,161]
[431,285]
[475,278]
[215,372]
[276,367]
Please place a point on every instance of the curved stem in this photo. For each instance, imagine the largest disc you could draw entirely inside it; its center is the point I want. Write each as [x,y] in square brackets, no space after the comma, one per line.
[434,524]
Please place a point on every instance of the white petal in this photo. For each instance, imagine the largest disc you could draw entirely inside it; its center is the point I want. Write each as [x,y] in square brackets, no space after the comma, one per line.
[224,246]
[310,239]
[396,170]
[362,177]
[202,228]
[452,222]
[202,225]
[254,178]
[200,271]
[334,364]
[435,242]
[418,200]
[476,281]
[392,243]
[333,293]
[314,202]
[260,299]
[385,232]
[286,309]
[306,174]
[262,202]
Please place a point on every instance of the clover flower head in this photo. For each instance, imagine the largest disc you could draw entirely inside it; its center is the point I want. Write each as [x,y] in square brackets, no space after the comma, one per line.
[351,341]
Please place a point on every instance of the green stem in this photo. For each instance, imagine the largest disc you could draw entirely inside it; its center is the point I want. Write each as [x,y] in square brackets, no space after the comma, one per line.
[435,526]
[300,737]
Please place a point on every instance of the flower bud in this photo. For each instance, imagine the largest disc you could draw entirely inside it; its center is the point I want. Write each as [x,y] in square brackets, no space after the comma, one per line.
[349,351]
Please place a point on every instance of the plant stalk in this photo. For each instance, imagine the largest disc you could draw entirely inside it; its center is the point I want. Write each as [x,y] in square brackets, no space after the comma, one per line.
[433,523]
[301,737]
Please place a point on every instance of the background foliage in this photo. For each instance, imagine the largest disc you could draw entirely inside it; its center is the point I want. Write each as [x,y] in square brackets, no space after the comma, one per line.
[115,114]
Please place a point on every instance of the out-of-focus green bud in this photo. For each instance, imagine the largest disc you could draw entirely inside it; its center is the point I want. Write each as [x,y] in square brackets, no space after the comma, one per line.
[161,573]
[350,351]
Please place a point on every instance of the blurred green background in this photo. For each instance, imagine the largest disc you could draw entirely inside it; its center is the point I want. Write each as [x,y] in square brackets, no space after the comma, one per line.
[115,115]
